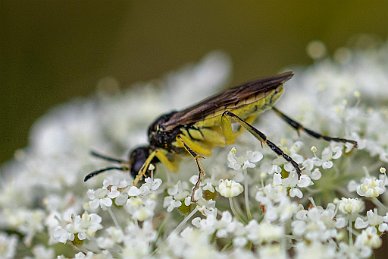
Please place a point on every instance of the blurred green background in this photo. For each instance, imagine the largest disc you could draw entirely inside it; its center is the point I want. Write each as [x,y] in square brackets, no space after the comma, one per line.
[52,51]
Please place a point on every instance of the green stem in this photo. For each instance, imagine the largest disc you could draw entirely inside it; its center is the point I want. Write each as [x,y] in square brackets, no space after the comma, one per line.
[350,233]
[114,219]
[246,194]
[183,222]
[234,212]
[379,204]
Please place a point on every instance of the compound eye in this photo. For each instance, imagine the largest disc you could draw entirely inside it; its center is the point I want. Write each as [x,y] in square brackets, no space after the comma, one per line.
[136,166]
[137,158]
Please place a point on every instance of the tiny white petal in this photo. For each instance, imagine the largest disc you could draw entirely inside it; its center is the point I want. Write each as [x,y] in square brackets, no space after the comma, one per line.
[106,202]
[327,164]
[94,204]
[134,191]
[316,174]
[254,156]
[341,222]
[229,188]
[295,192]
[359,224]
[304,181]
[277,179]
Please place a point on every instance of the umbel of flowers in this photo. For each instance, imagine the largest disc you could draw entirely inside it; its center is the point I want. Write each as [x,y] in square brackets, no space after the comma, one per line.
[250,204]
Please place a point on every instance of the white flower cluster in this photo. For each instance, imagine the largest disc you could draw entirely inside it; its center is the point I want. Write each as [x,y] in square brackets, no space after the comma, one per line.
[250,205]
[72,227]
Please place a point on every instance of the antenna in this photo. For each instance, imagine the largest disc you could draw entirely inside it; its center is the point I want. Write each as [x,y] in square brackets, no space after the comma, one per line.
[107,158]
[97,172]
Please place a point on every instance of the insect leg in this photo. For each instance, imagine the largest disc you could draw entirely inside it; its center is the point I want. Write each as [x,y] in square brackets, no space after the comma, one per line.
[171,165]
[143,170]
[299,127]
[229,135]
[262,138]
[197,148]
[226,125]
[201,172]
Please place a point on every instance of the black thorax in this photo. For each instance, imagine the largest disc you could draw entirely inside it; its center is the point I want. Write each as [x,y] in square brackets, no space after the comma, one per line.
[158,137]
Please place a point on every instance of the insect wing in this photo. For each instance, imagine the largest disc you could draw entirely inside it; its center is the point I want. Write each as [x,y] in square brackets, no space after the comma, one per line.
[233,95]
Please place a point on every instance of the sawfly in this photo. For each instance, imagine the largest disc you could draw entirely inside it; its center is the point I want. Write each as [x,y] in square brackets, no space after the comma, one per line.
[196,130]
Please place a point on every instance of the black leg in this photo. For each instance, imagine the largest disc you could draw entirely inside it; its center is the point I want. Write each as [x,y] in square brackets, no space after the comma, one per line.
[299,127]
[263,139]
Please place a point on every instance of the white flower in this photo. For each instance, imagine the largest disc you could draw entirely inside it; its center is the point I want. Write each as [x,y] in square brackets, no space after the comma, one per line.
[229,188]
[117,190]
[84,227]
[28,222]
[171,204]
[226,225]
[113,192]
[177,193]
[243,162]
[191,243]
[143,213]
[62,235]
[99,198]
[81,255]
[350,207]
[150,186]
[316,174]
[373,219]
[369,237]
[209,223]
[315,224]
[272,251]
[134,191]
[264,232]
[334,151]
[239,241]
[154,182]
[271,194]
[276,204]
[114,236]
[352,186]
[371,187]
[315,249]
[141,208]
[87,225]
[122,199]
[7,246]
[138,240]
[353,251]
[121,183]
[293,181]
[42,252]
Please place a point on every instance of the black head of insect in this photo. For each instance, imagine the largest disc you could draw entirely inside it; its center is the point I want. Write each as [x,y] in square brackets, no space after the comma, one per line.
[157,138]
[136,159]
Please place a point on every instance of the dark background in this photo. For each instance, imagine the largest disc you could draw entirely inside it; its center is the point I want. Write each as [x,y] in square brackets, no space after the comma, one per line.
[52,51]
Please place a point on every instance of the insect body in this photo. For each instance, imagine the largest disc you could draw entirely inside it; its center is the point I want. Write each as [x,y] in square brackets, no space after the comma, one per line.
[196,130]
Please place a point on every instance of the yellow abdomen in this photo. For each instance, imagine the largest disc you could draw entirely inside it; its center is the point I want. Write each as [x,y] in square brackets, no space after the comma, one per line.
[208,132]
